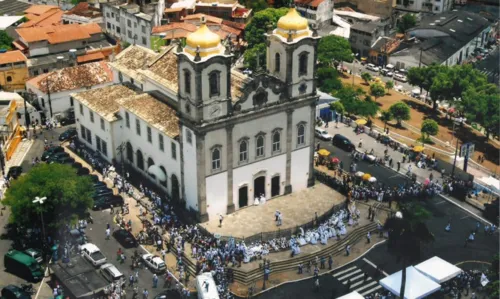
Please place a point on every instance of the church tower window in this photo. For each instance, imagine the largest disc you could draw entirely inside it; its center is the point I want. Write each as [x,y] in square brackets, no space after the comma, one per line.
[303,64]
[214,83]
[216,158]
[187,82]
[277,62]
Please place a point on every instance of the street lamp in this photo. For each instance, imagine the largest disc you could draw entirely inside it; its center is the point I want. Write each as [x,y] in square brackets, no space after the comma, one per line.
[352,67]
[40,201]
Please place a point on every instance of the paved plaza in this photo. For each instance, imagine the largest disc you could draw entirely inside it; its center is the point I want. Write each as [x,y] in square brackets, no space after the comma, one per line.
[297,208]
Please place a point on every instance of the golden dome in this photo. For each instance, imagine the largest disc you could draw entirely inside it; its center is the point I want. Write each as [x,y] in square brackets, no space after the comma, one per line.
[203,37]
[292,21]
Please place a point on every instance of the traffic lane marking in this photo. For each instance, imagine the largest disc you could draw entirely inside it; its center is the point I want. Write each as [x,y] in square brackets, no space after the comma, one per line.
[374,266]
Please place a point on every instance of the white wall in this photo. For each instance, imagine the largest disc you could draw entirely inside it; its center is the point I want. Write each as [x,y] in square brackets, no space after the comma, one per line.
[190,170]
[216,194]
[300,169]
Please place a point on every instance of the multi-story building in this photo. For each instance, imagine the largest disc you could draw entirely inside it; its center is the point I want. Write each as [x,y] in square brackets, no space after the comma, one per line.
[82,13]
[315,11]
[13,70]
[213,138]
[226,9]
[431,6]
[380,8]
[363,36]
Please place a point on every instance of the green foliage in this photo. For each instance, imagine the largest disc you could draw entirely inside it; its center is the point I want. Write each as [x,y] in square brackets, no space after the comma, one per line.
[251,56]
[386,116]
[429,128]
[337,107]
[406,22]
[377,90]
[389,85]
[260,23]
[366,77]
[328,79]
[68,195]
[400,111]
[483,108]
[5,40]
[332,47]
[282,3]
[349,98]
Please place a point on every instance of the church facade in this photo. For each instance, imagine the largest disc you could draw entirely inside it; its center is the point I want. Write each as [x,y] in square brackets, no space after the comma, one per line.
[237,137]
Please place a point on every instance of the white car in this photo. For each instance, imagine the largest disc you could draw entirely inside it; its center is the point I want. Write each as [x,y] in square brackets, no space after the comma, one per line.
[112,274]
[93,254]
[154,262]
[400,77]
[322,134]
[372,67]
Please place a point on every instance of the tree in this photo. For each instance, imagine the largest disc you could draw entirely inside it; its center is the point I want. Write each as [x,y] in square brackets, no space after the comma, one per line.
[282,3]
[400,111]
[337,107]
[406,22]
[367,107]
[255,5]
[5,40]
[68,196]
[406,236]
[328,79]
[377,90]
[332,47]
[483,108]
[389,85]
[260,23]
[252,55]
[429,128]
[349,97]
[386,116]
[366,77]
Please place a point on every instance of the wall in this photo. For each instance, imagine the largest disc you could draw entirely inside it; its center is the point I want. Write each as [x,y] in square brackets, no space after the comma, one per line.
[143,37]
[216,194]
[190,170]
[381,8]
[125,78]
[18,74]
[300,168]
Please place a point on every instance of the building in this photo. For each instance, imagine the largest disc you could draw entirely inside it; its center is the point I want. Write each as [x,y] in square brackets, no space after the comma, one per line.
[41,16]
[10,131]
[380,8]
[210,136]
[448,39]
[33,114]
[363,36]
[127,65]
[13,70]
[83,13]
[429,6]
[53,89]
[225,9]
[381,50]
[128,23]
[315,11]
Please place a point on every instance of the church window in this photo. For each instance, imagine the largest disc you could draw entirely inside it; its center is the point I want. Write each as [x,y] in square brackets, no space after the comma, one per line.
[9,79]
[301,132]
[189,136]
[214,83]
[243,151]
[260,146]
[187,81]
[276,141]
[216,158]
[277,62]
[303,64]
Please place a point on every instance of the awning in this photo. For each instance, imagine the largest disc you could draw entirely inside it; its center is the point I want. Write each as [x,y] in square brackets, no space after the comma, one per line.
[352,295]
[438,269]
[417,284]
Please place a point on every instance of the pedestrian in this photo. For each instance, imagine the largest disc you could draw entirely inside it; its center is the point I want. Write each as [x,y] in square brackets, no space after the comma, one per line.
[309,267]
[348,250]
[330,262]
[300,268]
[220,220]
[145,294]
[373,216]
[136,276]
[322,262]
[369,212]
[478,226]
[398,165]
[108,233]
[448,227]
[431,177]
[276,215]
[368,238]
[365,277]
[442,172]
[316,284]
[316,271]
[155,280]
[390,163]
[131,280]
[280,219]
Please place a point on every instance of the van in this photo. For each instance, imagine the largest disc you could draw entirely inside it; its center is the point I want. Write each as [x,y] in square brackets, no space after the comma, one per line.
[23,265]
[400,77]
[112,274]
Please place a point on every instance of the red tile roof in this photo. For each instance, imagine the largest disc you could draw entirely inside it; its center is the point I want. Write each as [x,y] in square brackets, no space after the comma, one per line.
[51,17]
[39,9]
[12,56]
[90,57]
[207,17]
[236,25]
[313,3]
[59,34]
[173,26]
[85,10]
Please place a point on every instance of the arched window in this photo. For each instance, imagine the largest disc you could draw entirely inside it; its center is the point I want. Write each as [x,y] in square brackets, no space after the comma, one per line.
[303,64]
[260,146]
[140,160]
[301,132]
[214,83]
[277,62]
[243,151]
[276,141]
[216,158]
[187,81]
[130,153]
[9,79]
[164,183]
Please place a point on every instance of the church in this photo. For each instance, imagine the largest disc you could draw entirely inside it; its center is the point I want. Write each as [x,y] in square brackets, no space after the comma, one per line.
[210,136]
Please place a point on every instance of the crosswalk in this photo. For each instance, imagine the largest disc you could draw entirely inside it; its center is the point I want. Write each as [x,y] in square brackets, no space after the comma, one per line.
[358,282]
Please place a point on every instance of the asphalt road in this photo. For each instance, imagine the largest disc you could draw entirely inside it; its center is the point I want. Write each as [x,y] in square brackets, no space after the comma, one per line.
[449,246]
[358,69]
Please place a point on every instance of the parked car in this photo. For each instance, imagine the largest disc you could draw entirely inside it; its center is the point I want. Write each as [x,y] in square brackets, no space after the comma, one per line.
[93,254]
[400,77]
[372,67]
[322,134]
[61,160]
[343,142]
[51,151]
[154,263]
[106,201]
[112,274]
[125,238]
[386,73]
[22,265]
[57,156]
[100,191]
[14,172]
[68,134]
[14,292]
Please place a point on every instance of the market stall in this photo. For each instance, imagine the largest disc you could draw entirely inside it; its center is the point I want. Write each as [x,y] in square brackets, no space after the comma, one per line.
[417,284]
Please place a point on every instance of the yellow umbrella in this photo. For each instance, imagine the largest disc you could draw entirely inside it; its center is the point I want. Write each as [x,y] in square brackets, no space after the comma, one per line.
[361,121]
[418,149]
[366,176]
[323,152]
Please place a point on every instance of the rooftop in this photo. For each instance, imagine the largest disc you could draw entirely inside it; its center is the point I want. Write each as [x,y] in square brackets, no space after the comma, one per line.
[197,17]
[7,21]
[85,10]
[90,57]
[153,111]
[75,77]
[312,3]
[434,50]
[368,27]
[104,101]
[38,10]
[133,59]
[12,57]
[386,44]
[60,33]
[13,7]
[356,15]
[163,69]
[50,17]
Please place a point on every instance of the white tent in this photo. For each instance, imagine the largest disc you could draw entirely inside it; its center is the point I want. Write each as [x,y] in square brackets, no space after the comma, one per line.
[417,284]
[352,295]
[438,269]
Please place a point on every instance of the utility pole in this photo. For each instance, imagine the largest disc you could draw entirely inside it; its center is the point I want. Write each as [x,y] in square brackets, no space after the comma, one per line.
[121,148]
[419,64]
[48,95]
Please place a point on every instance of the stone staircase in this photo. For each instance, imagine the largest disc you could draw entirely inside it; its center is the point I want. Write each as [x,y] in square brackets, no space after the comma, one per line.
[335,249]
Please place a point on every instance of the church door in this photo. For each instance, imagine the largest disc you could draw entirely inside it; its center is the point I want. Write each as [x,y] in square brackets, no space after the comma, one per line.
[243,197]
[175,188]
[275,186]
[259,186]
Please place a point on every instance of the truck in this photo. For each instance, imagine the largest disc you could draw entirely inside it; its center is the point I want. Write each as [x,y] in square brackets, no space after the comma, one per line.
[23,265]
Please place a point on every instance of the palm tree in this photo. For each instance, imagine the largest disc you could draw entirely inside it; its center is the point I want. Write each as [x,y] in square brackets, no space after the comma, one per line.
[385,116]
[406,235]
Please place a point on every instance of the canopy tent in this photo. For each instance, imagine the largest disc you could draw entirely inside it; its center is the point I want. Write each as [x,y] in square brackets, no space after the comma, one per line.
[438,269]
[417,284]
[491,182]
[352,295]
